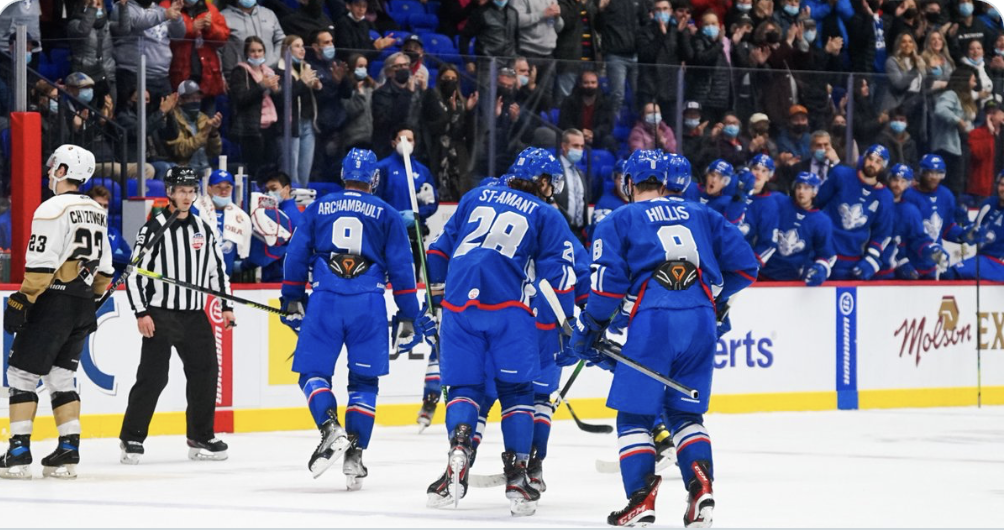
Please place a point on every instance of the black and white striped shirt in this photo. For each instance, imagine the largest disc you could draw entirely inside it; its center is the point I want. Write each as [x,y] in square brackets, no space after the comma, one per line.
[188,252]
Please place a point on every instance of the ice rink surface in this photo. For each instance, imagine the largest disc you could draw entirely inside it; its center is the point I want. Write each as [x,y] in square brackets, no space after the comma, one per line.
[916,467]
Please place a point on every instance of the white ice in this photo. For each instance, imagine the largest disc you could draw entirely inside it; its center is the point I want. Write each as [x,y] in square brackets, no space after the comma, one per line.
[919,468]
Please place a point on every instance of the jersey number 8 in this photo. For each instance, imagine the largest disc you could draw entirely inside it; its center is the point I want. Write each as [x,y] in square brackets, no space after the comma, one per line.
[503,234]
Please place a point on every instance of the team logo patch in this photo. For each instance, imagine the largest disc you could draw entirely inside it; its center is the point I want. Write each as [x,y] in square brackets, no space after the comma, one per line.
[198,240]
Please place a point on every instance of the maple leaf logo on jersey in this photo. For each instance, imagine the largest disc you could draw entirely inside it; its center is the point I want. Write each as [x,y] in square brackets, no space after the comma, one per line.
[789,243]
[932,226]
[852,216]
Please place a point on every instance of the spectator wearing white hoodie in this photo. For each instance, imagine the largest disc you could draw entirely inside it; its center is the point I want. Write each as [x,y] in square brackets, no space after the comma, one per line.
[150,32]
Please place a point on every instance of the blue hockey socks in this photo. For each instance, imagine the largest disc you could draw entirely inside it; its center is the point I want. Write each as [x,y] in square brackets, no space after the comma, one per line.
[317,389]
[637,456]
[692,443]
[432,385]
[361,411]
[463,406]
[542,412]
[516,400]
[484,407]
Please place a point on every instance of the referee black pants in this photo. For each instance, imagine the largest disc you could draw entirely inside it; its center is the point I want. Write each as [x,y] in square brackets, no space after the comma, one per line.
[189,332]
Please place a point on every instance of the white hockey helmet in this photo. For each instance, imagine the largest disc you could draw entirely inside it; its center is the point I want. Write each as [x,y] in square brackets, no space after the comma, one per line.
[79,164]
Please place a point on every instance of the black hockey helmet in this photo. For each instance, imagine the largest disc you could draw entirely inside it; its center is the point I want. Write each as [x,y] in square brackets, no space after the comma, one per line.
[181,176]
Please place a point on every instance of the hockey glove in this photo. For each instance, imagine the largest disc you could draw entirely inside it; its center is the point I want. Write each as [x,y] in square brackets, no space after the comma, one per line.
[816,275]
[565,357]
[427,328]
[907,271]
[934,253]
[408,216]
[619,322]
[868,266]
[16,315]
[295,310]
[587,331]
[722,317]
[975,235]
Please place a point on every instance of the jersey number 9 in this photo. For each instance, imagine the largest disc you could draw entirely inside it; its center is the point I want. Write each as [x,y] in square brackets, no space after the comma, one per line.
[347,233]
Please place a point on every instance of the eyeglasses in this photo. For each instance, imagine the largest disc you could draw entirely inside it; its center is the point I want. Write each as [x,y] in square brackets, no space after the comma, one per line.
[399,66]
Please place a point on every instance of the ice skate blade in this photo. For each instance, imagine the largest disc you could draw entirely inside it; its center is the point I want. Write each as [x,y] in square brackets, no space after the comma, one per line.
[130,459]
[338,448]
[64,472]
[16,472]
[704,518]
[423,424]
[438,501]
[353,483]
[458,461]
[522,508]
[197,454]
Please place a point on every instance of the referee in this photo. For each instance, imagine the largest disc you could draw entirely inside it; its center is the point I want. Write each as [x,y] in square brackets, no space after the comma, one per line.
[172,316]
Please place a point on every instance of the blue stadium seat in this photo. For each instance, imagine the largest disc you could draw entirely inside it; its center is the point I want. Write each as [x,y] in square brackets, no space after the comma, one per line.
[602,157]
[621,132]
[374,35]
[155,188]
[423,21]
[406,6]
[60,57]
[604,172]
[438,44]
[401,17]
[115,206]
[399,36]
[432,7]
[375,68]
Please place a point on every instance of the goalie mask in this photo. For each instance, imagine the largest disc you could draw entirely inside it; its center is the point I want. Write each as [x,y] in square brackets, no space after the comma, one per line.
[79,164]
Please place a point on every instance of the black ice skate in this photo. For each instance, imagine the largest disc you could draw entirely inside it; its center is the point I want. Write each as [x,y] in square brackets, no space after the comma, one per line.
[640,510]
[522,496]
[333,445]
[428,410]
[452,486]
[352,466]
[212,449]
[62,463]
[665,451]
[701,501]
[131,452]
[16,462]
[535,472]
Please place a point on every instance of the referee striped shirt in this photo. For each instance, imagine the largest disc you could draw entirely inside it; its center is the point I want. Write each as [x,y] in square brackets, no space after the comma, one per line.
[188,252]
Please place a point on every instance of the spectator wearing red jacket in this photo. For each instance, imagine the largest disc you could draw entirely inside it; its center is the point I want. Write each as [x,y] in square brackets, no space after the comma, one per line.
[206,32]
[985,149]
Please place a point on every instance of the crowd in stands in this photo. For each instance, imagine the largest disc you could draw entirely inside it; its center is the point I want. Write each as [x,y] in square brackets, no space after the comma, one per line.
[477,81]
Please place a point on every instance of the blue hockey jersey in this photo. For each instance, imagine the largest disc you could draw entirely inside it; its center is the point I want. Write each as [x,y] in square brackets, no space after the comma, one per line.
[759,225]
[270,258]
[635,240]
[729,207]
[994,222]
[908,242]
[497,243]
[937,211]
[804,238]
[393,186]
[862,215]
[607,203]
[351,222]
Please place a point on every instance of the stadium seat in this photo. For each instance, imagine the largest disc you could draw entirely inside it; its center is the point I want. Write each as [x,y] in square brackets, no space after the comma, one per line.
[401,17]
[375,68]
[602,157]
[410,7]
[423,21]
[374,35]
[115,206]
[155,188]
[399,36]
[432,7]
[621,133]
[60,57]
[438,44]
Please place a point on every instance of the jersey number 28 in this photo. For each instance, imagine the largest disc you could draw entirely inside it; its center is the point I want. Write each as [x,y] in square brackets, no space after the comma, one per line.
[502,233]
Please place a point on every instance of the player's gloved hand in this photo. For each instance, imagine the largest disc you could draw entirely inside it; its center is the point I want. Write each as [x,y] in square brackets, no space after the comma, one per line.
[816,275]
[408,216]
[565,356]
[584,335]
[868,266]
[427,328]
[975,235]
[722,317]
[907,271]
[619,322]
[295,309]
[16,314]
[935,253]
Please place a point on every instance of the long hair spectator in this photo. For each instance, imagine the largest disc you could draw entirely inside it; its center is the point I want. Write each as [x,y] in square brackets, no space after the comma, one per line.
[940,64]
[304,111]
[446,115]
[954,112]
[357,99]
[196,55]
[253,113]
[905,70]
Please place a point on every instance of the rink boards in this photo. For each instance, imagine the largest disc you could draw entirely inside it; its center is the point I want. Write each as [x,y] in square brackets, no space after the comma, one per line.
[792,348]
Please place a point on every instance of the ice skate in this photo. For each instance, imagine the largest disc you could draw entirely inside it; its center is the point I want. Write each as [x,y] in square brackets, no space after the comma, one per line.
[640,510]
[452,485]
[16,462]
[333,445]
[700,501]
[132,452]
[522,496]
[428,410]
[535,472]
[352,466]
[212,449]
[62,463]
[665,451]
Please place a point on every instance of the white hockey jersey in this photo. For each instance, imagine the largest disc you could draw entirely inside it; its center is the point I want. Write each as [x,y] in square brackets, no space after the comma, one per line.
[68,250]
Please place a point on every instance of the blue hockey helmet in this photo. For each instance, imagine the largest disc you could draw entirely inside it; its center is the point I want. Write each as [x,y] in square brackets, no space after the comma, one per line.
[723,168]
[934,164]
[643,165]
[877,150]
[221,175]
[490,181]
[533,162]
[901,171]
[360,165]
[761,159]
[810,179]
[679,173]
[619,166]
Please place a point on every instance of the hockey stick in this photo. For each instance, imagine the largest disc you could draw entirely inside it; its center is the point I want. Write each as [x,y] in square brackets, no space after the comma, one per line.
[140,254]
[979,339]
[610,349]
[588,427]
[203,290]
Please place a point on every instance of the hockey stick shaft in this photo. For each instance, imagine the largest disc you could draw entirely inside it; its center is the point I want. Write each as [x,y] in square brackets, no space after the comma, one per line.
[979,339]
[611,350]
[224,296]
[140,254]
[424,270]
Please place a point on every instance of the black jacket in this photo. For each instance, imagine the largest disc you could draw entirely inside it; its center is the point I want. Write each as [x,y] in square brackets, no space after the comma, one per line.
[569,45]
[496,31]
[305,20]
[619,24]
[245,103]
[861,32]
[393,105]
[656,48]
[900,151]
[603,116]
[710,82]
[351,37]
[330,113]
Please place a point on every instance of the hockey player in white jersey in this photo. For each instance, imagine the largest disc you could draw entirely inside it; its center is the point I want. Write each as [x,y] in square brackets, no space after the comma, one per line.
[67,268]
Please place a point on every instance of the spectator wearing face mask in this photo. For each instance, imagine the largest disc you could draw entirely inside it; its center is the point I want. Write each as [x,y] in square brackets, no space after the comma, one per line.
[693,140]
[663,45]
[793,142]
[92,50]
[246,18]
[786,13]
[760,142]
[357,99]
[320,55]
[127,115]
[897,138]
[967,27]
[151,28]
[739,9]
[191,137]
[651,132]
[726,142]
[253,113]
[826,66]
[974,59]
[446,115]
[589,110]
[398,102]
[494,28]
[573,201]
[821,160]
[710,83]
[838,136]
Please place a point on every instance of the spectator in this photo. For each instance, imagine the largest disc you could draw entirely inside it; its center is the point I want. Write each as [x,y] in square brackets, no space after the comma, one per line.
[576,43]
[305,84]
[192,137]
[253,112]
[985,148]
[967,28]
[93,52]
[271,258]
[868,123]
[750,52]
[990,16]
[935,17]
[330,113]
[866,38]
[453,15]
[787,15]
[121,253]
[793,142]
[150,30]
[726,142]
[588,110]
[763,10]
[651,132]
[838,136]
[415,50]
[573,201]
[127,116]
[663,45]
[996,66]
[974,59]
[779,92]
[710,83]
[495,28]
[822,159]
[906,18]
[739,12]
[196,55]
[357,98]
[308,18]
[760,140]
[508,116]
[446,119]
[940,64]
[28,14]
[896,137]
[393,187]
[814,86]
[905,70]
[396,102]
[46,103]
[246,18]
[620,23]
[352,33]
[693,138]
[954,112]
[539,24]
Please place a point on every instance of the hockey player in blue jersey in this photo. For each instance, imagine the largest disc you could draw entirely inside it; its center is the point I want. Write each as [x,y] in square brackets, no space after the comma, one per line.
[804,247]
[861,209]
[909,243]
[483,265]
[987,233]
[936,205]
[349,244]
[681,261]
[759,224]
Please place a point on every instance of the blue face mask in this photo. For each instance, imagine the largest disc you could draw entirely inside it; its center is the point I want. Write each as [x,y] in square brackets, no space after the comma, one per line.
[819,155]
[297,60]
[361,73]
[966,9]
[791,10]
[744,8]
[691,124]
[500,3]
[662,17]
[574,155]
[710,31]
[897,126]
[27,58]
[256,61]
[86,95]
[523,80]
[53,106]
[731,130]
[221,202]
[99,13]
[328,52]
[247,4]
[810,36]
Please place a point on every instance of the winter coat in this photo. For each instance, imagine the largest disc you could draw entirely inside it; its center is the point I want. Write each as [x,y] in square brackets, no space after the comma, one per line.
[148,30]
[308,18]
[900,84]
[663,52]
[260,21]
[496,31]
[182,144]
[245,103]
[603,115]
[393,105]
[901,150]
[93,50]
[330,114]
[352,37]
[948,111]
[358,128]
[710,82]
[569,44]
[213,38]
[619,25]
[642,138]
